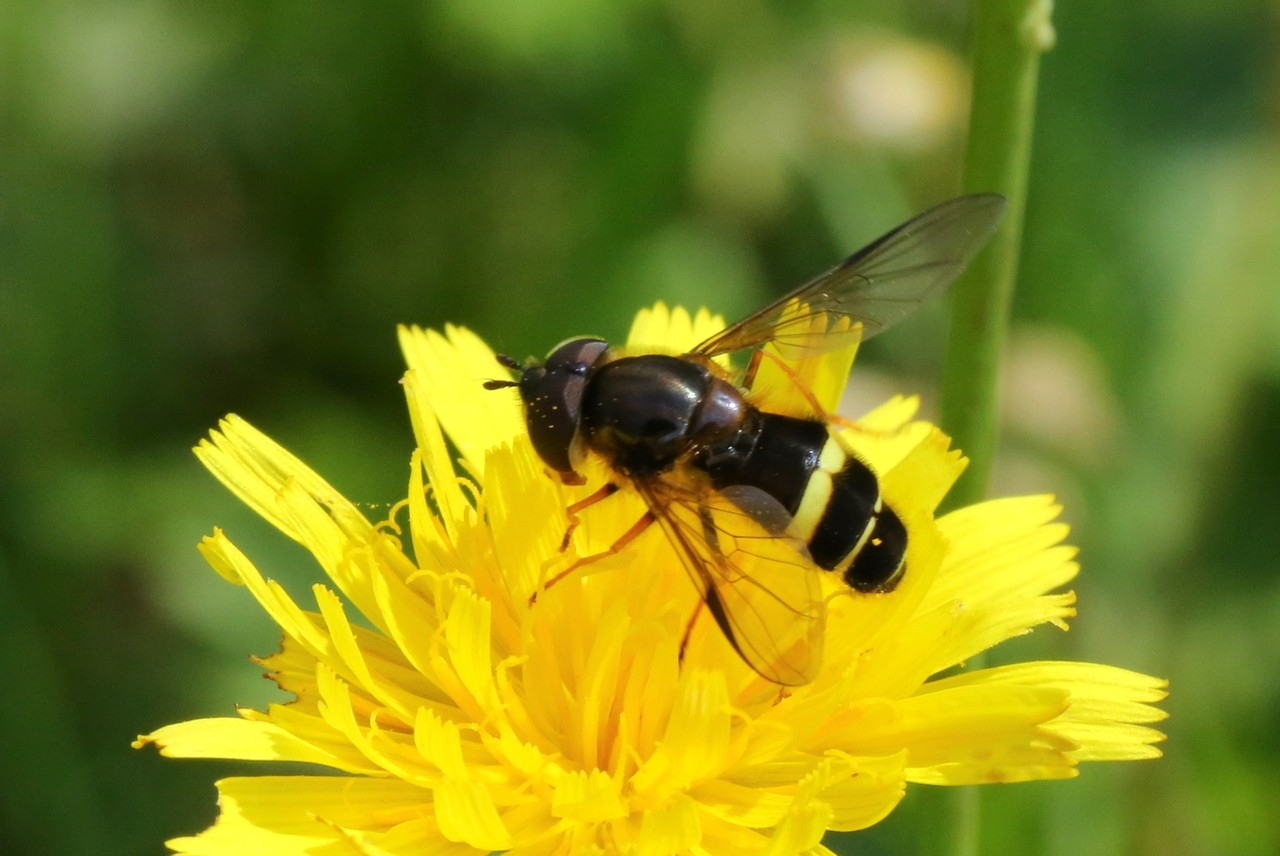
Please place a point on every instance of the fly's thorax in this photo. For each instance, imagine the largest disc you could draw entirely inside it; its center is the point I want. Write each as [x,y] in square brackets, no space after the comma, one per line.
[644,413]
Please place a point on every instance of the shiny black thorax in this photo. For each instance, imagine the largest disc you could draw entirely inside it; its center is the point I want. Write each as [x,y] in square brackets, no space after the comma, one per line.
[646,413]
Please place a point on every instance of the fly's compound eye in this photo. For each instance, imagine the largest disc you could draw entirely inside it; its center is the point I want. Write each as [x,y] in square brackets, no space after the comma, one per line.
[575,356]
[552,395]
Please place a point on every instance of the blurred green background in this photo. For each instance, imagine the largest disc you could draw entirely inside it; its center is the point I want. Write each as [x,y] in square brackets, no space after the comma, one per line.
[225,207]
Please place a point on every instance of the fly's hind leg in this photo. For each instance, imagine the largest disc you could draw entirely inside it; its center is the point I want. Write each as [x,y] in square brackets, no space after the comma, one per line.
[688,628]
[796,380]
[809,397]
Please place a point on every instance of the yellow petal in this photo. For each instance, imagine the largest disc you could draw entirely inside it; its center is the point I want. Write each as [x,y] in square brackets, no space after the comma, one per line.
[432,460]
[921,478]
[302,814]
[1002,557]
[440,743]
[419,837]
[224,556]
[652,329]
[963,734]
[309,726]
[297,501]
[588,797]
[417,619]
[466,814]
[467,640]
[240,740]
[808,815]
[892,416]
[867,791]
[650,689]
[976,628]
[671,829]
[662,330]
[900,662]
[593,716]
[747,803]
[886,435]
[451,371]
[697,734]
[727,836]
[362,670]
[1003,550]
[255,468]
[1107,707]
[521,540]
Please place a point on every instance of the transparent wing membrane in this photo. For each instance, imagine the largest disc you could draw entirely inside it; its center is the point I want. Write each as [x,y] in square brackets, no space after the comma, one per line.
[873,289]
[755,577]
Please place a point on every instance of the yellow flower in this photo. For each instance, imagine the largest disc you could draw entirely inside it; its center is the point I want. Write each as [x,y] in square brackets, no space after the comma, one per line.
[463,716]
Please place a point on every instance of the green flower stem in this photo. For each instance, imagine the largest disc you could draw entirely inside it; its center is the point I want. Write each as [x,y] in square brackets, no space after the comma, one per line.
[1009,36]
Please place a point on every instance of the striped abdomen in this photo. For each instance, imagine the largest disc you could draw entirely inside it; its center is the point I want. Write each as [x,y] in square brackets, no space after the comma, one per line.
[832,496]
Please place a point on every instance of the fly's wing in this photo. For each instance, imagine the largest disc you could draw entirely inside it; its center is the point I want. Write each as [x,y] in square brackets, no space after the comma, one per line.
[756,579]
[874,288]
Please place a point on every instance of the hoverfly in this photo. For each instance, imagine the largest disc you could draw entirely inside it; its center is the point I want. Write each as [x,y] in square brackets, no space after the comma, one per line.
[756,504]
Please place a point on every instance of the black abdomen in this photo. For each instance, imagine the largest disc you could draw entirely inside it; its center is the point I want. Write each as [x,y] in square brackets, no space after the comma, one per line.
[832,496]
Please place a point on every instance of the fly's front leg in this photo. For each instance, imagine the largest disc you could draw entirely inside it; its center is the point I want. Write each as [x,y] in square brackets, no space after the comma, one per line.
[645,521]
[607,490]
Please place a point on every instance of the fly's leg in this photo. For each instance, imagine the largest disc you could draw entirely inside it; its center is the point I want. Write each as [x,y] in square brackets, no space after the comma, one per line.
[645,521]
[810,399]
[688,628]
[607,490]
[800,385]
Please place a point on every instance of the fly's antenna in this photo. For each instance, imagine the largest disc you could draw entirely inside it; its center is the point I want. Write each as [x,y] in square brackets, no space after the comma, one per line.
[507,362]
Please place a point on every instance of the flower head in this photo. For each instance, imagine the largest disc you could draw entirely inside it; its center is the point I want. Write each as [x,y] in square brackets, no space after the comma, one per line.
[466,715]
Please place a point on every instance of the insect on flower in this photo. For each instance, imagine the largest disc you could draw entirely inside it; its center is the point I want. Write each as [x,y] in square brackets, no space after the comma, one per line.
[758,505]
